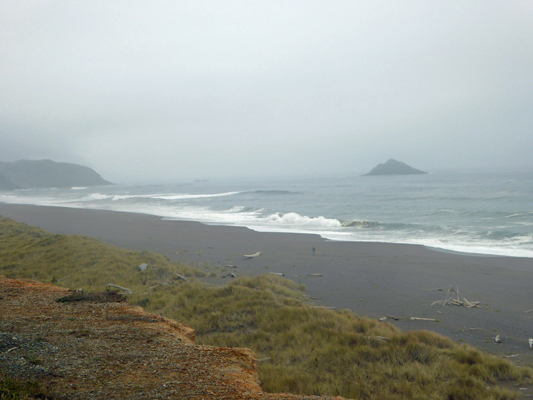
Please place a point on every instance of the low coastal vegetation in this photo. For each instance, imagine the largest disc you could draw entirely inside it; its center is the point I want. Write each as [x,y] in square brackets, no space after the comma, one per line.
[301,349]
[16,389]
[79,261]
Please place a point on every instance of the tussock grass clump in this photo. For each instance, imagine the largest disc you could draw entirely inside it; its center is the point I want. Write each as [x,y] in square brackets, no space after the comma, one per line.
[309,350]
[212,310]
[304,350]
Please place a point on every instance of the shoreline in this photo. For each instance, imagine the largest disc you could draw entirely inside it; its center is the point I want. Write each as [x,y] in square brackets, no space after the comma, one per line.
[466,254]
[369,278]
[288,231]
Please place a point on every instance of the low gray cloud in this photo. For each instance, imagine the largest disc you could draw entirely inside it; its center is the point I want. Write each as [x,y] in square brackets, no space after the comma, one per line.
[171,90]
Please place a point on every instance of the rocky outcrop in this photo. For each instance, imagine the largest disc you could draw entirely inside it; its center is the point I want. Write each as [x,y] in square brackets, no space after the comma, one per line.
[27,174]
[393,167]
[115,351]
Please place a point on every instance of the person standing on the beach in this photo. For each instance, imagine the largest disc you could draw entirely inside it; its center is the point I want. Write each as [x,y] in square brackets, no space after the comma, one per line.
[314,250]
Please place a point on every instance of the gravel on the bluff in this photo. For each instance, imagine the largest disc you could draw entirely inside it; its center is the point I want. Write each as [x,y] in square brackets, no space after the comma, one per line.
[115,351]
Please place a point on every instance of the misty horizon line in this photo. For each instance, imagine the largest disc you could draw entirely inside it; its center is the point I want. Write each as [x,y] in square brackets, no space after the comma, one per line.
[115,176]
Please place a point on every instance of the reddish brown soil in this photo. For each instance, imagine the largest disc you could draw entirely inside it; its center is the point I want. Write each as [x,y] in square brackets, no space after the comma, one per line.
[115,351]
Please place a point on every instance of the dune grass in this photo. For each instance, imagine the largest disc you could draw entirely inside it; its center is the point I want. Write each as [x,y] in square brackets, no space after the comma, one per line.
[309,350]
[80,261]
[16,389]
[303,349]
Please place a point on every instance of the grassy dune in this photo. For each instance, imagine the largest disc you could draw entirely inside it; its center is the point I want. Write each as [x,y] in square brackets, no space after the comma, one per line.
[302,349]
[79,261]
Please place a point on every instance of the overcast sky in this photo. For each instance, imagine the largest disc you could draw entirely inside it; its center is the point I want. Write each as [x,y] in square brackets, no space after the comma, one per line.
[204,89]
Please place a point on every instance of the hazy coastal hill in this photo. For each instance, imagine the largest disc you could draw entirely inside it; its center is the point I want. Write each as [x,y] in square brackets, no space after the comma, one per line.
[25,174]
[6,184]
[393,167]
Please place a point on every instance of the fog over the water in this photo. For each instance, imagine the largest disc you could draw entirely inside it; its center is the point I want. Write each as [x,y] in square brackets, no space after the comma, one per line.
[202,89]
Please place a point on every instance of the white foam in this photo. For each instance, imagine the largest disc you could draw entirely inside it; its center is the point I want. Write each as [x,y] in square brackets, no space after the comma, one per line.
[174,196]
[236,209]
[294,219]
[193,196]
[478,248]
[512,248]
[229,217]
[7,198]
[95,196]
[37,200]
[118,197]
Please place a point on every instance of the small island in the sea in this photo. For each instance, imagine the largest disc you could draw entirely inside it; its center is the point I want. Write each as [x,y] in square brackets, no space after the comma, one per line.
[393,167]
[28,174]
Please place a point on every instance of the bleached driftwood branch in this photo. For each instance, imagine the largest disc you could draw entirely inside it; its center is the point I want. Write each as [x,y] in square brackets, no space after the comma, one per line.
[252,255]
[457,299]
[128,291]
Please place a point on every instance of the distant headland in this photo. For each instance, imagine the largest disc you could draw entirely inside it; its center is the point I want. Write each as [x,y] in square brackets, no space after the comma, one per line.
[393,167]
[27,174]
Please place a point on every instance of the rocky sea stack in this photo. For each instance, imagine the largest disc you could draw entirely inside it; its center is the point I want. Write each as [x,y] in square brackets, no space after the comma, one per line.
[393,167]
[26,174]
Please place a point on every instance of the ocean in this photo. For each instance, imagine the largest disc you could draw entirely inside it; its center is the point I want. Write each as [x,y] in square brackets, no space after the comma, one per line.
[469,212]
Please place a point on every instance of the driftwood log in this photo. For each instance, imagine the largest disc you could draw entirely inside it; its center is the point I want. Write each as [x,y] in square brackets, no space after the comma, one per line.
[128,291]
[252,255]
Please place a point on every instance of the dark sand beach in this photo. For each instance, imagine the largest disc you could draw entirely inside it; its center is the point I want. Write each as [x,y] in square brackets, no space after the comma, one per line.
[371,279]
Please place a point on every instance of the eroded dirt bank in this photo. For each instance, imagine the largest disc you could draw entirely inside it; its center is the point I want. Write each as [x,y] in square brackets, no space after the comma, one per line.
[109,350]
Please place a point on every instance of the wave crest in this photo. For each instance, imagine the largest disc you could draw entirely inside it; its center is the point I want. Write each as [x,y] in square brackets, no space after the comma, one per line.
[361,224]
[95,196]
[295,219]
[192,196]
[180,196]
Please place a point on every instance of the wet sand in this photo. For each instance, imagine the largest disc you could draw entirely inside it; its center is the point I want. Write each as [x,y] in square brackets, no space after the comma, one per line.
[371,279]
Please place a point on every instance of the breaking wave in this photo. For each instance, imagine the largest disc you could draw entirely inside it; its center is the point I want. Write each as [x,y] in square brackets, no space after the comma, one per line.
[361,224]
[184,196]
[295,219]
[95,196]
